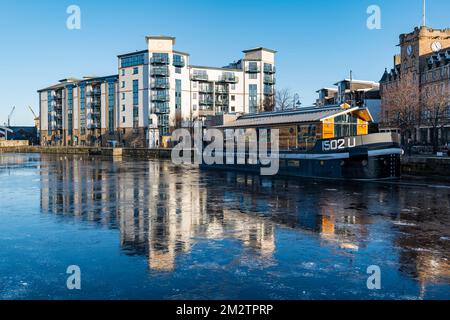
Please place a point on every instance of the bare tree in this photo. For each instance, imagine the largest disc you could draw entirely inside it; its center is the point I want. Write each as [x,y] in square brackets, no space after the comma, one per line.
[435,112]
[283,99]
[268,104]
[403,112]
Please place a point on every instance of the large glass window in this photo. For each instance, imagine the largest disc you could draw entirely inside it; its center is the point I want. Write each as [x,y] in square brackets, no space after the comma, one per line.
[70,109]
[253,98]
[50,111]
[135,103]
[111,103]
[82,108]
[132,61]
[345,126]
[178,94]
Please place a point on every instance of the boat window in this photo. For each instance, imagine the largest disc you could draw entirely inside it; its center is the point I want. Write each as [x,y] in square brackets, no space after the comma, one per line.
[307,136]
[345,126]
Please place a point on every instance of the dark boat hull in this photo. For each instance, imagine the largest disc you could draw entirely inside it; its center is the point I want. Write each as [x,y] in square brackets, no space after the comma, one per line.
[376,160]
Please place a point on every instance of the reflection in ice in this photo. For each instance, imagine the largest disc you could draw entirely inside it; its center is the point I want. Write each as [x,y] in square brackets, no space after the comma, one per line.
[278,238]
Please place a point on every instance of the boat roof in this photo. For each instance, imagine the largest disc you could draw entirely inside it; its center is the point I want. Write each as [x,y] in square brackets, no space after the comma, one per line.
[311,114]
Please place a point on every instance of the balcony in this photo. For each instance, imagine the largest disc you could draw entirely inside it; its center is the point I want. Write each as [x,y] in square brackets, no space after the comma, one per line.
[223,90]
[199,77]
[269,92]
[269,69]
[160,84]
[205,89]
[228,78]
[179,63]
[160,97]
[206,102]
[269,79]
[160,72]
[222,102]
[160,107]
[159,60]
[252,69]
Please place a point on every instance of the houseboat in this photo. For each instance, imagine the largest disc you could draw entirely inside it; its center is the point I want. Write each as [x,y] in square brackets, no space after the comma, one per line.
[326,142]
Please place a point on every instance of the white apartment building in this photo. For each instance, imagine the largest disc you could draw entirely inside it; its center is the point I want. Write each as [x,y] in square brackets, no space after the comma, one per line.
[157,91]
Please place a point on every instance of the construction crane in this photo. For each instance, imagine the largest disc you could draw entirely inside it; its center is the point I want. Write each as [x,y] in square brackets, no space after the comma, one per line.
[10,116]
[32,111]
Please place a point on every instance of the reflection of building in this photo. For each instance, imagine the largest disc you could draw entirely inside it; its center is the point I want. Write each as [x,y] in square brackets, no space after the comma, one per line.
[157,209]
[419,81]
[155,83]
[163,211]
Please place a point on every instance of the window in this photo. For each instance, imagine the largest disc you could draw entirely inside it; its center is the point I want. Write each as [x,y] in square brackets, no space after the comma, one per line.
[178,61]
[177,94]
[123,95]
[194,107]
[123,72]
[253,98]
[135,103]
[82,108]
[70,109]
[233,87]
[131,61]
[135,92]
[253,76]
[123,84]
[194,96]
[178,70]
[123,119]
[233,109]
[136,70]
[111,103]
[123,108]
[233,98]
[345,125]
[194,84]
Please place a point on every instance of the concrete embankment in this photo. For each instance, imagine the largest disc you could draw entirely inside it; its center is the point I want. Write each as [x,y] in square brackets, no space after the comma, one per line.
[106,152]
[414,166]
[426,166]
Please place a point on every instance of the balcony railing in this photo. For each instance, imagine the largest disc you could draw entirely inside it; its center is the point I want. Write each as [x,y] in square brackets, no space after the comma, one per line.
[269,69]
[164,72]
[228,78]
[159,60]
[204,89]
[160,97]
[252,69]
[160,107]
[269,79]
[222,102]
[206,102]
[221,90]
[269,92]
[199,77]
[179,63]
[160,84]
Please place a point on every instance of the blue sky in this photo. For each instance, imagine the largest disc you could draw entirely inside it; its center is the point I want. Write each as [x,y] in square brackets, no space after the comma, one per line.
[318,41]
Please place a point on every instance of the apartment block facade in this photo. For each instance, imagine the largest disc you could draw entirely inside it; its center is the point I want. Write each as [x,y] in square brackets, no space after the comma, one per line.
[155,91]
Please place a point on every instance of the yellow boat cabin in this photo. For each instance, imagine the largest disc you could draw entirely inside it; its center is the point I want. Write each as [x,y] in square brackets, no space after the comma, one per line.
[300,129]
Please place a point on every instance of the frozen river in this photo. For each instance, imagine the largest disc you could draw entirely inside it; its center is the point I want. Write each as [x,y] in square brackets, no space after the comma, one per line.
[150,230]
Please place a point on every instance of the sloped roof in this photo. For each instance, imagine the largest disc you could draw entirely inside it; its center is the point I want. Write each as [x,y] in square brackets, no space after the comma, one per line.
[314,114]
